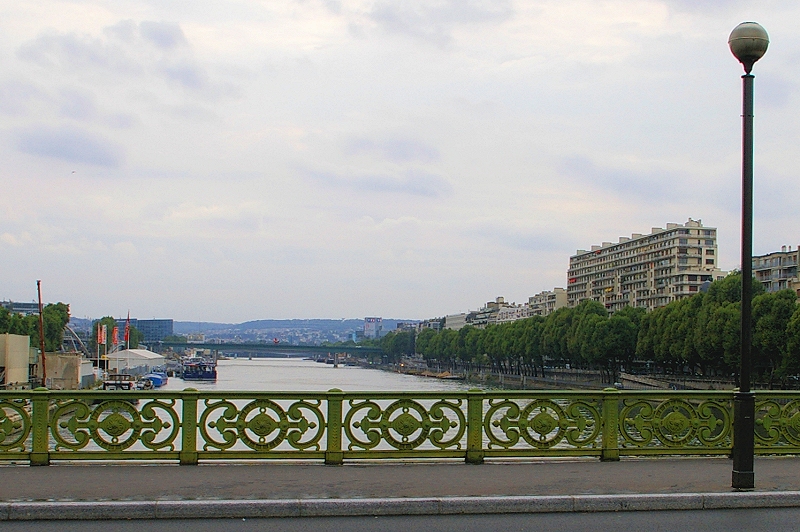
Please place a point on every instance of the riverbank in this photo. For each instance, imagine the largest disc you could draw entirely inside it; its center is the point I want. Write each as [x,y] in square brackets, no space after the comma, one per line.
[563,378]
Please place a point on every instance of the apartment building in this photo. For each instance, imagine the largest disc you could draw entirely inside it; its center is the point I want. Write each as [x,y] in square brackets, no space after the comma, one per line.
[647,271]
[778,270]
[487,315]
[512,313]
[455,321]
[547,302]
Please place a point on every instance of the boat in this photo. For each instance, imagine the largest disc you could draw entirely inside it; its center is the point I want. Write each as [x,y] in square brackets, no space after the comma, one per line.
[199,369]
[118,381]
[158,378]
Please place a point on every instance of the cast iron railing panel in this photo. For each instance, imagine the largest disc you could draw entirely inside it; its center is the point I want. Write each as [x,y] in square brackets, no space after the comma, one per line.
[190,426]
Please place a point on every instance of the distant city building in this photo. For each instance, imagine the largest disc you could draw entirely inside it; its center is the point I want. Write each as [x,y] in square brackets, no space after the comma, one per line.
[778,270]
[154,330]
[646,271]
[512,313]
[547,302]
[455,321]
[373,327]
[406,326]
[16,307]
[434,323]
[121,323]
[488,314]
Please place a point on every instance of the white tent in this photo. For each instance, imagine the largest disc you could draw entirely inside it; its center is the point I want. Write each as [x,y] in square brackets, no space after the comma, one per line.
[133,358]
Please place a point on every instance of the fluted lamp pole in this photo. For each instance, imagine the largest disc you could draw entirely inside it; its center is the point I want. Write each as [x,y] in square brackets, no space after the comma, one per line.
[748,43]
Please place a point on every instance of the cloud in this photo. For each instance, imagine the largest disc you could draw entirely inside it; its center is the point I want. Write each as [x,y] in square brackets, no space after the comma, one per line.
[434,20]
[70,144]
[77,105]
[518,238]
[413,183]
[15,97]
[622,181]
[124,48]
[188,75]
[164,35]
[69,51]
[397,150]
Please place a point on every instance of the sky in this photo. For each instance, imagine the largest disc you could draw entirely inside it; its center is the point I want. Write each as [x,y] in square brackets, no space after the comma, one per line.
[236,160]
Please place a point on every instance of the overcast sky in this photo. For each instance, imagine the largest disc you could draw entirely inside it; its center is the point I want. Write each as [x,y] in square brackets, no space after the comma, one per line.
[233,160]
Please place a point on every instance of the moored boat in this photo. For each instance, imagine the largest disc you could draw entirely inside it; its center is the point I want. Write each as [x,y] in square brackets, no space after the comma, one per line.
[199,369]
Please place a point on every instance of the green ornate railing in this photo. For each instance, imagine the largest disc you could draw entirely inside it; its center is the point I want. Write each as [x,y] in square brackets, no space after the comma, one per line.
[189,426]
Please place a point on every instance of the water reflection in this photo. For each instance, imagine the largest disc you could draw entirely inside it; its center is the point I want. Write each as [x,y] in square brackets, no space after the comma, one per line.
[295,374]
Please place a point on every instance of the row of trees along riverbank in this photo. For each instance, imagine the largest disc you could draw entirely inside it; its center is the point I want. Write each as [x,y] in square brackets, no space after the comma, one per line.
[54,317]
[698,335]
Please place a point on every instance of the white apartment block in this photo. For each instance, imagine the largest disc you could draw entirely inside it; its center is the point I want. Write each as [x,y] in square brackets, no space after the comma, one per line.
[647,271]
[455,321]
[778,270]
[512,313]
[547,302]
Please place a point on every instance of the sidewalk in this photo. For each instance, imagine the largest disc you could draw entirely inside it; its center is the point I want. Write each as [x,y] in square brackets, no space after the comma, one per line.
[67,491]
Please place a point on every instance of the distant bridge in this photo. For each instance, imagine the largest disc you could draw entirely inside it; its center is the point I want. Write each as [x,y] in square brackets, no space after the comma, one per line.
[274,349]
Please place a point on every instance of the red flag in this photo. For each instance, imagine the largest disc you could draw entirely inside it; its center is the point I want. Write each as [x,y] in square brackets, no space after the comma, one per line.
[128,329]
[115,335]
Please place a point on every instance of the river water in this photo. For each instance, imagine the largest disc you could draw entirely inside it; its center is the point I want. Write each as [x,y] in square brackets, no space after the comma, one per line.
[296,374]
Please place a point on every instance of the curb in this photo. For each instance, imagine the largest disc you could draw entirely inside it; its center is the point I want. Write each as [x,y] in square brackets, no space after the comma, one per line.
[239,509]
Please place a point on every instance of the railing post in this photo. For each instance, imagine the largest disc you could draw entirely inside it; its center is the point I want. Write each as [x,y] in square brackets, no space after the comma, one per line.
[40,419]
[610,452]
[333,449]
[188,454]
[475,426]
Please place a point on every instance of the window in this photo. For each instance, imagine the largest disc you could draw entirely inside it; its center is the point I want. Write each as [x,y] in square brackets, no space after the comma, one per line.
[683,241]
[693,288]
[709,242]
[709,252]
[692,277]
[710,261]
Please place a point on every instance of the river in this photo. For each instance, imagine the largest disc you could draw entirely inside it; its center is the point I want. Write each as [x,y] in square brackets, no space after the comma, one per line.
[296,374]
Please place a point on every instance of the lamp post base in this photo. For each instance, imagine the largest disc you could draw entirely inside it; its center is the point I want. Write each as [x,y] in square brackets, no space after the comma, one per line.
[744,407]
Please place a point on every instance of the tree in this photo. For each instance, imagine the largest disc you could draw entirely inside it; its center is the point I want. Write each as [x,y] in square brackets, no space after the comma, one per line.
[55,317]
[790,364]
[771,315]
[135,337]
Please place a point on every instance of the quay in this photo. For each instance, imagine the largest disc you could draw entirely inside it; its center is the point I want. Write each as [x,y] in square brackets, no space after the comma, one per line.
[251,490]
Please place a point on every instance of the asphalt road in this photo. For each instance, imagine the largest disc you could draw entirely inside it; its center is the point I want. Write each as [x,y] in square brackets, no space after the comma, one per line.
[751,520]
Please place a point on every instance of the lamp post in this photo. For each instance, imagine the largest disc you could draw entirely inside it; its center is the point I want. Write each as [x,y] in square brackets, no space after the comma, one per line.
[748,43]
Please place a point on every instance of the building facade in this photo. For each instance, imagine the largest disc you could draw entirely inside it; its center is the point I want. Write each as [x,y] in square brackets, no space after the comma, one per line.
[646,271]
[512,313]
[547,302]
[18,307]
[455,321]
[153,330]
[373,327]
[778,270]
[487,315]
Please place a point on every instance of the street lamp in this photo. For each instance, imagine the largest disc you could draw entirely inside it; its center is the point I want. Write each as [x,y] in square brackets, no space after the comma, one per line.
[748,43]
